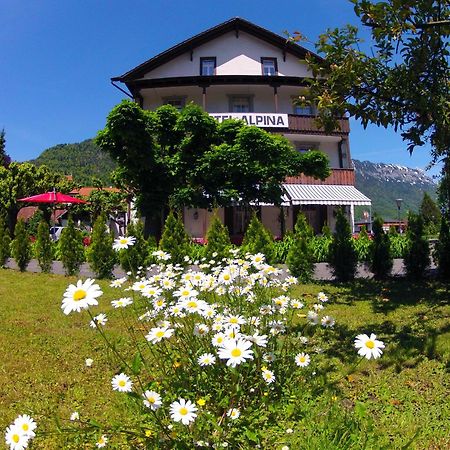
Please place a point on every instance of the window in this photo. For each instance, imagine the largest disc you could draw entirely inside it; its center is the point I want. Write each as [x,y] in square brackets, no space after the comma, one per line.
[177,102]
[303,110]
[241,103]
[207,66]
[303,147]
[269,66]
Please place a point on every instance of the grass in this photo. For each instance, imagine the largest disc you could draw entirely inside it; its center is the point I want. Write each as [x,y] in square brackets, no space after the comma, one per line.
[404,395]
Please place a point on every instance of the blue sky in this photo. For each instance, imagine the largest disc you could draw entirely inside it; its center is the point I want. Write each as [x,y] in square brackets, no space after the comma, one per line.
[57,58]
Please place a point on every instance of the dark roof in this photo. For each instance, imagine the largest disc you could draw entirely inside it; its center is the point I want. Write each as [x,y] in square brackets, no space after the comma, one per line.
[236,24]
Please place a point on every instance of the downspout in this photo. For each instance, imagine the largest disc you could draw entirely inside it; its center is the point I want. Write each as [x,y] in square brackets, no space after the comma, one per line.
[340,155]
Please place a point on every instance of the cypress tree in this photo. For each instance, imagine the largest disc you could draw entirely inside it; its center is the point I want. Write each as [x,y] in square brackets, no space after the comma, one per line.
[20,246]
[300,258]
[136,255]
[43,247]
[174,239]
[343,258]
[417,253]
[71,249]
[218,239]
[381,260]
[258,239]
[101,256]
[442,251]
[5,242]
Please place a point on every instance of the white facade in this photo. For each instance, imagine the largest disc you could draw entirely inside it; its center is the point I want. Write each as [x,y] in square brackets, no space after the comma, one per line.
[242,68]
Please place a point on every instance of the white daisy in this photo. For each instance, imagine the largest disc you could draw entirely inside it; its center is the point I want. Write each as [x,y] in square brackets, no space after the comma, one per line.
[122,383]
[201,329]
[302,359]
[236,351]
[259,339]
[207,359]
[218,339]
[328,321]
[268,376]
[118,282]
[103,440]
[312,317]
[26,424]
[233,413]
[269,357]
[183,411]
[74,416]
[89,362]
[123,242]
[15,438]
[322,297]
[140,285]
[80,296]
[151,291]
[122,302]
[157,334]
[100,319]
[185,292]
[369,347]
[297,304]
[152,400]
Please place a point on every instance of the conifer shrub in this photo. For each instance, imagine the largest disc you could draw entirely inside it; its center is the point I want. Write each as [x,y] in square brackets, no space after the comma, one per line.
[417,253]
[258,239]
[342,258]
[136,255]
[218,239]
[101,255]
[381,260]
[70,248]
[174,239]
[442,250]
[43,247]
[5,242]
[21,246]
[300,258]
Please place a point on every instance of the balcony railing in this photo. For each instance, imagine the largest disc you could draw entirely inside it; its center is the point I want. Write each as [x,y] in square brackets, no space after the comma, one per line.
[338,176]
[307,124]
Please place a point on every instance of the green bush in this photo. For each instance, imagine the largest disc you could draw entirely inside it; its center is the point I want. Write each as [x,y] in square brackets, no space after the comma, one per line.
[398,243]
[218,239]
[417,254]
[281,248]
[70,248]
[300,258]
[381,257]
[43,248]
[33,223]
[363,245]
[136,255]
[100,255]
[5,242]
[343,258]
[174,239]
[442,250]
[258,239]
[321,245]
[21,246]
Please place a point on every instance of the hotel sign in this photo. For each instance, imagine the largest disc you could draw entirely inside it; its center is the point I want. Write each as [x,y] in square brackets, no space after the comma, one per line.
[262,120]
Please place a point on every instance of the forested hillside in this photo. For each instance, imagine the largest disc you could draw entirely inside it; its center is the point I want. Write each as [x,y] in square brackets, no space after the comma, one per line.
[84,161]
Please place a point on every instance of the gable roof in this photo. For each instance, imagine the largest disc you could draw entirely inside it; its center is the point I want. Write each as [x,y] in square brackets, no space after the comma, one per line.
[236,24]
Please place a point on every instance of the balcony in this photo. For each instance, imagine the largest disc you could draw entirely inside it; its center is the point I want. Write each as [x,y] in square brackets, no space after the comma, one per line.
[337,177]
[308,125]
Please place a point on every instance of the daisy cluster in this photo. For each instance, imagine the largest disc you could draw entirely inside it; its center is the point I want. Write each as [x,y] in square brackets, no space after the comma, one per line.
[20,432]
[215,325]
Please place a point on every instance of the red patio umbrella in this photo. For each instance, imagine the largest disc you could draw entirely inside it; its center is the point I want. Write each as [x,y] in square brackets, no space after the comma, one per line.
[51,197]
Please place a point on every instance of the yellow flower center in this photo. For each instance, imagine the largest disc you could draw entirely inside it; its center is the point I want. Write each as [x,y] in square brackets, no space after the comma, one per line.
[233,320]
[370,344]
[79,294]
[226,277]
[151,399]
[192,304]
[159,302]
[236,352]
[123,241]
[302,359]
[16,438]
[101,440]
[160,334]
[219,340]
[185,293]
[183,411]
[122,383]
[25,427]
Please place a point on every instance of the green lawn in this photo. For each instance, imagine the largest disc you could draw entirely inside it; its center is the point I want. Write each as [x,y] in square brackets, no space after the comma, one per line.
[405,393]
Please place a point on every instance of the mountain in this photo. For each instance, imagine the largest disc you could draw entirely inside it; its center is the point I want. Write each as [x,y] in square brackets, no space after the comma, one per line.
[384,183]
[84,161]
